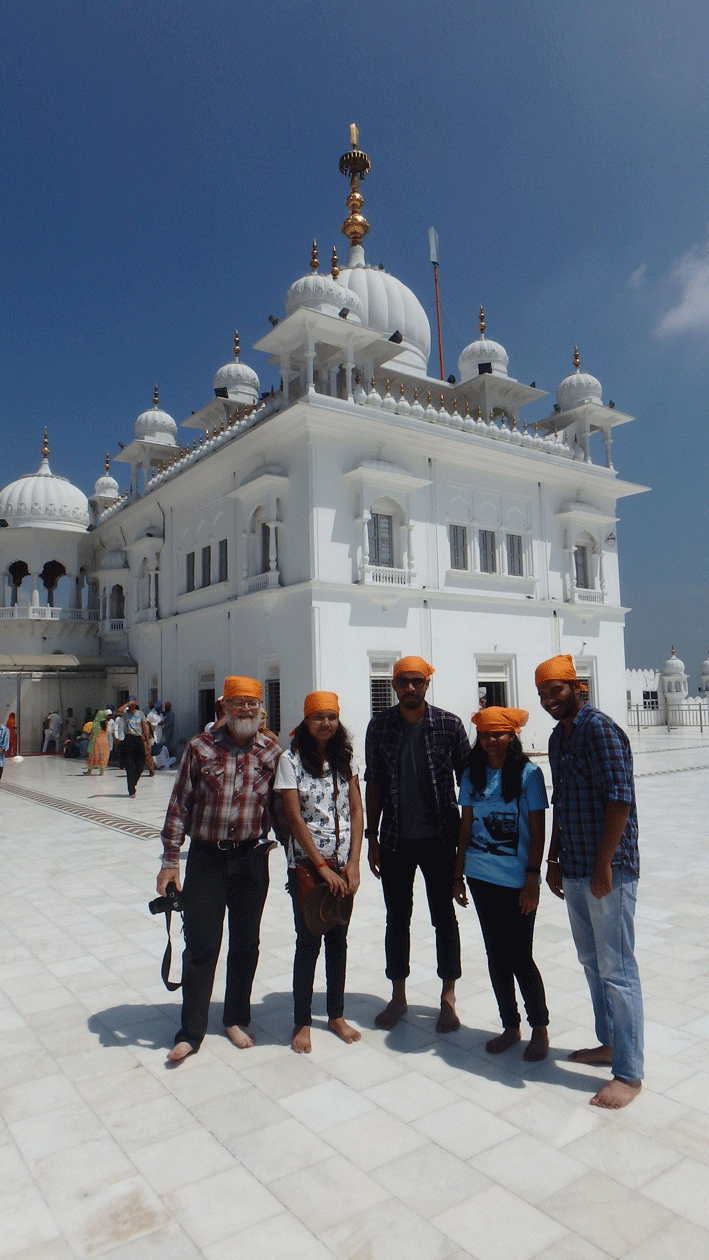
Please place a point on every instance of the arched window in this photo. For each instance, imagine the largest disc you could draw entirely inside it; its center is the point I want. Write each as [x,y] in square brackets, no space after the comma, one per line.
[18,571]
[117,603]
[50,575]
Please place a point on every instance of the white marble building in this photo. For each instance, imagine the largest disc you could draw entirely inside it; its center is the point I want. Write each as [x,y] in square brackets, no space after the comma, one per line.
[365,511]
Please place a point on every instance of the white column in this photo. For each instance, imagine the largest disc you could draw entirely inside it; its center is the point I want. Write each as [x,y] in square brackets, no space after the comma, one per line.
[365,538]
[608,442]
[349,366]
[34,597]
[410,550]
[272,545]
[309,361]
[601,574]
[245,534]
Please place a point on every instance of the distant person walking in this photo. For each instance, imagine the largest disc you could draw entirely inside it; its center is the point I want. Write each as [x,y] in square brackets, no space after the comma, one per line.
[135,738]
[4,745]
[594,865]
[97,749]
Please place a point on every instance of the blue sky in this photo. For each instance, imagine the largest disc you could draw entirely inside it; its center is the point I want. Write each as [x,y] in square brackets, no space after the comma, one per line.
[166,166]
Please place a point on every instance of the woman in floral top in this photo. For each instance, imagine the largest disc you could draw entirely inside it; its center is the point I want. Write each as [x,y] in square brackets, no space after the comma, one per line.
[319,786]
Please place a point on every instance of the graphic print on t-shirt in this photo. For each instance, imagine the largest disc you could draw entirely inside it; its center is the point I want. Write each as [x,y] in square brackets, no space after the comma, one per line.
[495,830]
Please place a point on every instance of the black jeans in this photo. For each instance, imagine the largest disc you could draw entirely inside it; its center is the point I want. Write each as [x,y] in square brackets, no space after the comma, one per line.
[307,951]
[398,871]
[216,880]
[508,936]
[134,759]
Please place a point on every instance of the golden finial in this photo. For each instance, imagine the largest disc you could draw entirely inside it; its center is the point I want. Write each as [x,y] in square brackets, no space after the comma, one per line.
[429,397]
[514,423]
[194,444]
[314,260]
[237,347]
[387,384]
[467,408]
[201,438]
[524,426]
[673,649]
[481,323]
[335,266]
[156,400]
[536,429]
[214,430]
[222,427]
[442,402]
[45,445]
[107,465]
[401,389]
[356,164]
[372,382]
[577,361]
[480,413]
[416,393]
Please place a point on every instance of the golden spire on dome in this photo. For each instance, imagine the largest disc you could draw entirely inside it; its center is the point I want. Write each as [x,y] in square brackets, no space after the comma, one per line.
[107,465]
[45,445]
[335,265]
[237,347]
[356,164]
[481,323]
[577,361]
[156,400]
[314,260]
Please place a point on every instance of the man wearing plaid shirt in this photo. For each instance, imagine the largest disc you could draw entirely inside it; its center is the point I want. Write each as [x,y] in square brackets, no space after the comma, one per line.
[220,799]
[413,751]
[594,866]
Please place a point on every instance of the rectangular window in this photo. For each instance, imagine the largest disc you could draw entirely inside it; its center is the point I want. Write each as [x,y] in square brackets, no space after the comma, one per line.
[586,687]
[492,693]
[189,578]
[272,699]
[206,566]
[651,700]
[223,560]
[488,560]
[459,546]
[381,695]
[381,540]
[514,555]
[265,545]
[581,565]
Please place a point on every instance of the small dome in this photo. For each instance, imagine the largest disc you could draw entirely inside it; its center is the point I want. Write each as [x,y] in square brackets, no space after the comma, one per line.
[388,306]
[481,353]
[106,487]
[44,499]
[673,666]
[236,380]
[578,388]
[704,669]
[323,294]
[156,425]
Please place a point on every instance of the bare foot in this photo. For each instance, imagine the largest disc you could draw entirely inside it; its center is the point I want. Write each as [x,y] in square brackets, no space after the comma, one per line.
[448,1019]
[301,1039]
[616,1094]
[538,1047]
[391,1014]
[180,1052]
[242,1040]
[595,1055]
[498,1045]
[344,1030]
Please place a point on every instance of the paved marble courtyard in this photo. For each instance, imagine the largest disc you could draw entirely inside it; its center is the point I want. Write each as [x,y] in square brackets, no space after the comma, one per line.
[407,1144]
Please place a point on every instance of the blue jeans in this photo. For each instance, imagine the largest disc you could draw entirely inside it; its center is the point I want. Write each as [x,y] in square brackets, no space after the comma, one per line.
[604,936]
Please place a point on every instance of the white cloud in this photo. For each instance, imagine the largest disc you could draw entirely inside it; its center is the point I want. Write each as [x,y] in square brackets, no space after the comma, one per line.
[689,277]
[638,277]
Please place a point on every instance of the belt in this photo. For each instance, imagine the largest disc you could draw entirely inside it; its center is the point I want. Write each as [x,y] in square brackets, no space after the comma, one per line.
[228,845]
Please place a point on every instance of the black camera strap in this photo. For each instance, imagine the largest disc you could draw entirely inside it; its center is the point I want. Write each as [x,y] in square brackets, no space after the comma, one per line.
[171,985]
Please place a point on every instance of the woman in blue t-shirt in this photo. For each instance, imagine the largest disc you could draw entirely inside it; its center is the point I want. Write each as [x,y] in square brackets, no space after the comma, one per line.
[500,852]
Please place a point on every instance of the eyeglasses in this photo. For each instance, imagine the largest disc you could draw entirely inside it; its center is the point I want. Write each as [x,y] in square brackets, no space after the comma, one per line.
[407,684]
[238,703]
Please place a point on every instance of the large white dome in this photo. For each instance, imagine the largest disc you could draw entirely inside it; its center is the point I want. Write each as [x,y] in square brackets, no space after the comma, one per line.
[44,499]
[389,306]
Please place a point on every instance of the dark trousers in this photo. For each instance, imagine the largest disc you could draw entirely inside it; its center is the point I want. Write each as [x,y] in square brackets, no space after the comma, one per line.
[217,880]
[398,871]
[134,759]
[508,936]
[307,951]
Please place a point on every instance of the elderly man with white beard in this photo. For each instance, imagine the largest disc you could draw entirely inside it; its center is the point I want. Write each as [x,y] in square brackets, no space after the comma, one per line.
[220,799]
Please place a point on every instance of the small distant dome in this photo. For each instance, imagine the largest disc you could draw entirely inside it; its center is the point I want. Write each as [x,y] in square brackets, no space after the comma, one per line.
[156,425]
[236,380]
[480,353]
[673,666]
[113,560]
[323,294]
[106,487]
[388,306]
[44,499]
[704,676]
[578,388]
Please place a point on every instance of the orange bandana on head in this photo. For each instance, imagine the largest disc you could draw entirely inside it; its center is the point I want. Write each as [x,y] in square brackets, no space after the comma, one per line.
[557,669]
[236,686]
[495,718]
[321,702]
[413,665]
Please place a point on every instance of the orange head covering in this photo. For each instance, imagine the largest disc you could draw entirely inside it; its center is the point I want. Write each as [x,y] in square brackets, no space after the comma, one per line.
[498,719]
[557,668]
[249,688]
[413,665]
[320,702]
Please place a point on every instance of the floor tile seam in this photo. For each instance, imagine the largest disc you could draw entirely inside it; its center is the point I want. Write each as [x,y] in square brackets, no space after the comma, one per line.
[85,812]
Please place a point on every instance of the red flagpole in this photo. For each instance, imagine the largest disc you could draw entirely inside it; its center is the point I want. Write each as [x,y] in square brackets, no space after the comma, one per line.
[438,314]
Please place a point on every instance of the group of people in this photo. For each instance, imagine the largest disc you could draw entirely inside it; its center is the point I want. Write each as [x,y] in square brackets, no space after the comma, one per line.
[472,820]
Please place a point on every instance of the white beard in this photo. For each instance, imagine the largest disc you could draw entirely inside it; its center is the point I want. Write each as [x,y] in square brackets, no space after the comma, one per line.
[244,728]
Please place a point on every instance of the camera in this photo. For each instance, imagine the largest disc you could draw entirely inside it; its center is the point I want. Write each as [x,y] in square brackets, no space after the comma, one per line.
[171,901]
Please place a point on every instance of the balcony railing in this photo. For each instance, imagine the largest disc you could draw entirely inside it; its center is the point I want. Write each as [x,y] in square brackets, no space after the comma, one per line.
[579,595]
[263,582]
[382,575]
[43,612]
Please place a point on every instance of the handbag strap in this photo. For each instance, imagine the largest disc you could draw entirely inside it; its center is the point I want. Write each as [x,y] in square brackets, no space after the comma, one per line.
[171,985]
[337,819]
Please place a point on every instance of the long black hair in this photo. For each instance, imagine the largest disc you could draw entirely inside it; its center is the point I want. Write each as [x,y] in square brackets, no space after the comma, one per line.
[514,764]
[338,751]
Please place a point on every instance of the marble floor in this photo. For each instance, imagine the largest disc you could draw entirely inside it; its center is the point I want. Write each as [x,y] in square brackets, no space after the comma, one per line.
[407,1144]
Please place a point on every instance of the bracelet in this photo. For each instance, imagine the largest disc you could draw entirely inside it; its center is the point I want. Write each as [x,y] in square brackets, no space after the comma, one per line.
[319,865]
[532,870]
[554,861]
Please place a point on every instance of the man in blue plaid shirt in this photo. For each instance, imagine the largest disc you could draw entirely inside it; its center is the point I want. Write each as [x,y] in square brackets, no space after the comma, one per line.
[593,865]
[414,753]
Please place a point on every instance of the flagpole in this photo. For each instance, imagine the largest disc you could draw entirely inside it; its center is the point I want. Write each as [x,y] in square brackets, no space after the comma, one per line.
[433,243]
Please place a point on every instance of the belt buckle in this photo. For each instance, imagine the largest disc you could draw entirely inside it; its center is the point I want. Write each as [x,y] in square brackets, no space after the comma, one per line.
[225,845]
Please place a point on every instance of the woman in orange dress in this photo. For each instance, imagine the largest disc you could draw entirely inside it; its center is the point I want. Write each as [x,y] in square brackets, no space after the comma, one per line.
[12,728]
[98,744]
